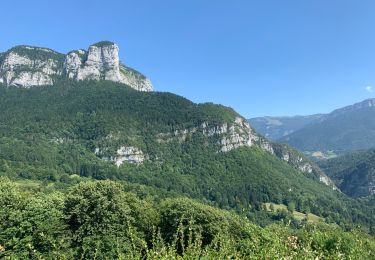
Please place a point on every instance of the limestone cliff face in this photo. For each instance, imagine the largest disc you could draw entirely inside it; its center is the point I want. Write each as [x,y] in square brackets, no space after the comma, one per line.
[300,162]
[17,68]
[129,154]
[240,134]
[26,66]
[124,154]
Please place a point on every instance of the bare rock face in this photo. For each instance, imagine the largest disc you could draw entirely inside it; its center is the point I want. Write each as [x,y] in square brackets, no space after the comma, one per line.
[102,62]
[73,63]
[29,79]
[124,154]
[235,135]
[129,154]
[17,68]
[26,66]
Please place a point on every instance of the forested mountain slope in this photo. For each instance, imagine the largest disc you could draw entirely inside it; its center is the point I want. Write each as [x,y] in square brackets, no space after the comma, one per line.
[354,173]
[106,130]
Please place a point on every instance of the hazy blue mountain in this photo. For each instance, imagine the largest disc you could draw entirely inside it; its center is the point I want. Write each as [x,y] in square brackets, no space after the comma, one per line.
[347,129]
[276,127]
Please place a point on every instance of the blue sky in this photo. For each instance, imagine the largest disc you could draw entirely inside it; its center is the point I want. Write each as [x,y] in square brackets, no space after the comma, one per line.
[266,57]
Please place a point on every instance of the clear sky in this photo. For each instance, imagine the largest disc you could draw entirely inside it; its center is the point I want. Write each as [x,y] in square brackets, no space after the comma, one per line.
[266,57]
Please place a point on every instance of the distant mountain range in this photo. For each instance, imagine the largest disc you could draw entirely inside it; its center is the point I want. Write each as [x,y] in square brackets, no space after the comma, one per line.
[275,128]
[346,129]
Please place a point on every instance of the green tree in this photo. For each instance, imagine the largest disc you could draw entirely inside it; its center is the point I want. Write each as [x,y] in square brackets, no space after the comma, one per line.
[99,219]
[209,220]
[31,225]
[291,207]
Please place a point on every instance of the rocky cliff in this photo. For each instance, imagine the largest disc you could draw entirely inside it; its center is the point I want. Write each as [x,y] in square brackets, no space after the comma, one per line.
[27,66]
[239,134]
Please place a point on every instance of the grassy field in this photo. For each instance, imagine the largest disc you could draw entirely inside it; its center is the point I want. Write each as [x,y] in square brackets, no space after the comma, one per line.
[34,185]
[296,214]
[29,184]
[319,155]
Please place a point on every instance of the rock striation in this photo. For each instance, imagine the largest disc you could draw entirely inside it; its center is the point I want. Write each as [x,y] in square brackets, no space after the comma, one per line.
[27,66]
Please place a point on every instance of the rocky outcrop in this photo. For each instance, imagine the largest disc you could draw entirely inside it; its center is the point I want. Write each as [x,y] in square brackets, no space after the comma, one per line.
[227,136]
[300,162]
[73,63]
[124,154]
[232,136]
[26,66]
[19,69]
[239,134]
[129,154]
[134,79]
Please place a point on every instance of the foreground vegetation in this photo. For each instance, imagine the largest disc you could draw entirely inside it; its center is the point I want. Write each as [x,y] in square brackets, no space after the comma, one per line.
[100,220]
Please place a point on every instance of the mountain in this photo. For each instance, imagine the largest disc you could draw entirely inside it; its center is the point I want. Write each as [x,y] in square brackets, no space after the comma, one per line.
[27,66]
[114,126]
[353,173]
[343,131]
[75,130]
[324,135]
[106,130]
[346,129]
[276,127]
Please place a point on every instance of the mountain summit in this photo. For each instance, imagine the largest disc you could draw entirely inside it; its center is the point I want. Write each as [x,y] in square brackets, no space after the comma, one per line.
[28,66]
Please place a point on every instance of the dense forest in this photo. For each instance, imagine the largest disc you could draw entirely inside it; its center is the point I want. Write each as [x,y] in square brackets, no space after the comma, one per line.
[185,199]
[103,220]
[353,172]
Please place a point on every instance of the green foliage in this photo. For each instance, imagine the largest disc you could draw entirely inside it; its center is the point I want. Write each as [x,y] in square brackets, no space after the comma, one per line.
[31,225]
[98,220]
[98,217]
[291,206]
[103,43]
[211,222]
